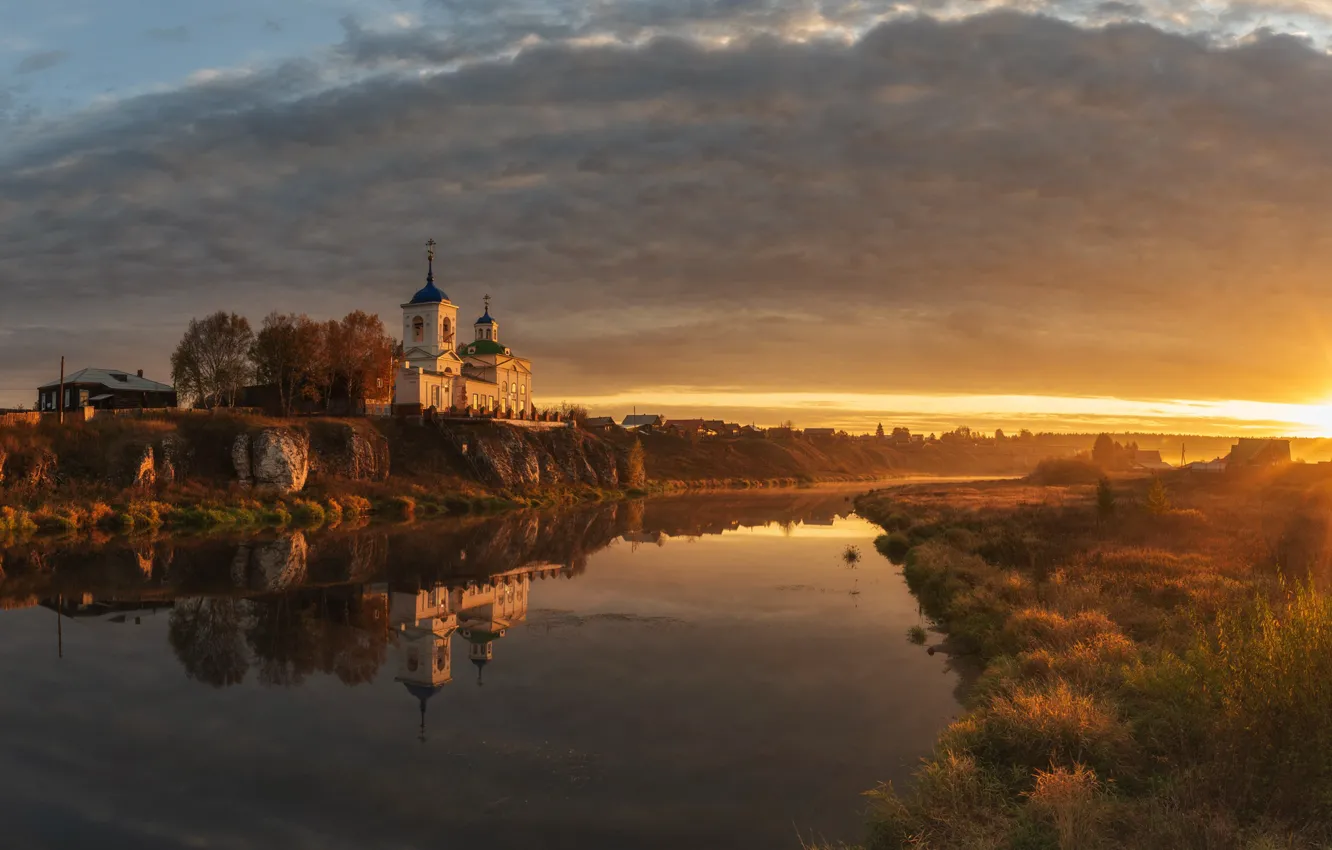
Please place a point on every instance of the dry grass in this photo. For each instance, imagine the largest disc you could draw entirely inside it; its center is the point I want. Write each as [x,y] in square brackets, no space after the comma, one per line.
[1159,679]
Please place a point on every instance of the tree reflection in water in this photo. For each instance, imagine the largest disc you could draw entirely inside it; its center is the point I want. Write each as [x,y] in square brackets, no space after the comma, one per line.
[337,602]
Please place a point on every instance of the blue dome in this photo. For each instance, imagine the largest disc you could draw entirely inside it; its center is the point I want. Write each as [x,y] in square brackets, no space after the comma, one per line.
[486,320]
[429,294]
[422,692]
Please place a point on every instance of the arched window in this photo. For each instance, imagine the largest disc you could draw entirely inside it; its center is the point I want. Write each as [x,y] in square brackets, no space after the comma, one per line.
[444,331]
[418,329]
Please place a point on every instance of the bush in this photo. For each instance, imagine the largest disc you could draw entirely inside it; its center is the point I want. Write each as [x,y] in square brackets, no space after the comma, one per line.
[354,506]
[1042,724]
[1064,471]
[402,507]
[1072,799]
[307,514]
[893,546]
[1269,668]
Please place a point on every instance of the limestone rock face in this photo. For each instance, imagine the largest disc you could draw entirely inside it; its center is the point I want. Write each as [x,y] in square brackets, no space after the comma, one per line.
[515,458]
[355,454]
[274,565]
[171,458]
[277,458]
[240,459]
[505,459]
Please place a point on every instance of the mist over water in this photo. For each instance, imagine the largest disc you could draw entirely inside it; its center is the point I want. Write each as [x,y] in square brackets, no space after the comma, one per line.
[698,671]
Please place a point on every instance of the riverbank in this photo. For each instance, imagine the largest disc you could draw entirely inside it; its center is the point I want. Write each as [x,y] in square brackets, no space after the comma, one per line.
[200,471]
[1156,673]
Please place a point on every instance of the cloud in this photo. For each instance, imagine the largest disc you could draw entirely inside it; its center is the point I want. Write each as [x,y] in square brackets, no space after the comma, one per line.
[41,61]
[1001,204]
[175,35]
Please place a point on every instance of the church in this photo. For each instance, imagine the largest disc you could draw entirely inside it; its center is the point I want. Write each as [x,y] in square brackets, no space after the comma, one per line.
[481,377]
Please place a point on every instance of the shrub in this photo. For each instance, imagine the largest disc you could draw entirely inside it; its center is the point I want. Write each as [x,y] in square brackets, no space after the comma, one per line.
[893,546]
[1064,471]
[1041,628]
[1043,724]
[1269,667]
[307,514]
[1072,799]
[917,635]
[403,507]
[333,512]
[354,506]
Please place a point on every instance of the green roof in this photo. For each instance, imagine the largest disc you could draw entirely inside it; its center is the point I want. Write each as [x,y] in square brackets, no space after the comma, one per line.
[484,346]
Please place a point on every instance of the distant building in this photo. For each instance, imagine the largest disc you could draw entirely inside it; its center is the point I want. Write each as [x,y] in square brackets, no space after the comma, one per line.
[642,420]
[821,433]
[599,423]
[1214,465]
[106,389]
[1149,459]
[1250,451]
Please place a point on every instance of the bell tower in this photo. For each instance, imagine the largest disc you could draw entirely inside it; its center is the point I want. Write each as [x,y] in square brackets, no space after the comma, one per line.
[487,329]
[429,320]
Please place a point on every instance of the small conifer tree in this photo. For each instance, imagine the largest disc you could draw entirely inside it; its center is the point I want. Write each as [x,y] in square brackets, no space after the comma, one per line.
[1158,501]
[1105,500]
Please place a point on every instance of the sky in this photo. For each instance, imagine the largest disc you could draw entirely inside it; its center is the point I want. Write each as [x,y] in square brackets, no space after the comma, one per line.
[1064,215]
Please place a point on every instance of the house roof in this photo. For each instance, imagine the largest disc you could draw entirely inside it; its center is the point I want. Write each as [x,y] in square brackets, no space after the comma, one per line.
[114,379]
[636,419]
[599,420]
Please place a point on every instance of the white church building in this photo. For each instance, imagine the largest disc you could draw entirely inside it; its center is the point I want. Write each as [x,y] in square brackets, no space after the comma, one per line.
[481,377]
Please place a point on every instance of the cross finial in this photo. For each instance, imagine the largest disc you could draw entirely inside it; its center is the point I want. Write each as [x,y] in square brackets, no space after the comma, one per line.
[430,261]
[487,300]
[430,249]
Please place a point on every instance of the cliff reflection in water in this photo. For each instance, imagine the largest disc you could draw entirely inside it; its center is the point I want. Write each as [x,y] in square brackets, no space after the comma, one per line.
[345,602]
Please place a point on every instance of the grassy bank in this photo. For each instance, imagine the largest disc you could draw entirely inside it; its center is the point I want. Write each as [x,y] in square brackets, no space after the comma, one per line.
[1157,674]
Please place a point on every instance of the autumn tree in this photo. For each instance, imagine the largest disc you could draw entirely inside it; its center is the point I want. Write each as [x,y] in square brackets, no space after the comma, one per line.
[212,361]
[287,353]
[206,635]
[357,355]
[635,474]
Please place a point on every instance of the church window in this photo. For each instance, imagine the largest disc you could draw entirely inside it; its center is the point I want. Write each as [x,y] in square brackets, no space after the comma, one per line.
[418,329]
[506,386]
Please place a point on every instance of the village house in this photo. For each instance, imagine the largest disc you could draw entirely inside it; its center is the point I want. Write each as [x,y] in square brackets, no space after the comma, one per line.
[106,389]
[1256,451]
[482,376]
[642,420]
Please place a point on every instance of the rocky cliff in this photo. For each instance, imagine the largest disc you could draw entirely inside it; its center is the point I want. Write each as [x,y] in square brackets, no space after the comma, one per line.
[222,451]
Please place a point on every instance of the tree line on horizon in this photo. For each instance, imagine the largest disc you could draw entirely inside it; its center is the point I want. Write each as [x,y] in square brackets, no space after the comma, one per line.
[302,358]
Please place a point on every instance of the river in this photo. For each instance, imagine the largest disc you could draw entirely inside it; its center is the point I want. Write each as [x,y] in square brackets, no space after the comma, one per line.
[694,671]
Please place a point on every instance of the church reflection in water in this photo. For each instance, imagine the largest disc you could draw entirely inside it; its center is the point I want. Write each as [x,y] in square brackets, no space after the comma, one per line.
[480,613]
[350,602]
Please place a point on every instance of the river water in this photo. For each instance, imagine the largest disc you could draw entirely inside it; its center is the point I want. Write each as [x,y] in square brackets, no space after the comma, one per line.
[696,671]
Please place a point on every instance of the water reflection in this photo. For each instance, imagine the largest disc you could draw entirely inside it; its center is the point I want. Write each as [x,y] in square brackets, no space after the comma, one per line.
[290,605]
[678,693]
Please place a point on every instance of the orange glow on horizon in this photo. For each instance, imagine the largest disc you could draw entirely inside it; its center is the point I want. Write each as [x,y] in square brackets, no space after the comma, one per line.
[857,412]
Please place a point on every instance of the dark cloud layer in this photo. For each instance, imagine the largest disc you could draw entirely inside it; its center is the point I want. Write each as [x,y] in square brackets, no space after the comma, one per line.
[35,62]
[1002,204]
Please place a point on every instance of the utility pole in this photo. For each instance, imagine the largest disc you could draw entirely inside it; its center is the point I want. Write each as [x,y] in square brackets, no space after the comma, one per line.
[60,402]
[1181,455]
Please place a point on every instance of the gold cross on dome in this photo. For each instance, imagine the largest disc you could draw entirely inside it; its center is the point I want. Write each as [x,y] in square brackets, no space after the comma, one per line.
[487,300]
[430,249]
